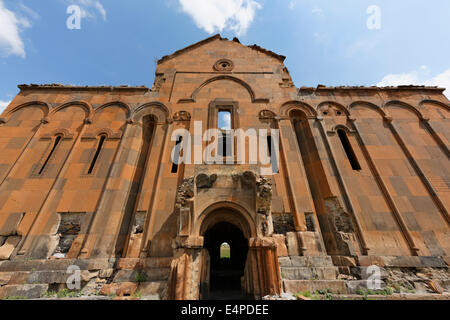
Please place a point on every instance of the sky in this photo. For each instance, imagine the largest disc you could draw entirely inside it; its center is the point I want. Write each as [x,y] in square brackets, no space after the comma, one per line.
[329,42]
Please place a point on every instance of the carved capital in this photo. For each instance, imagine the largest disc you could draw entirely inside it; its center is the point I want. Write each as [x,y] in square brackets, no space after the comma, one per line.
[182,116]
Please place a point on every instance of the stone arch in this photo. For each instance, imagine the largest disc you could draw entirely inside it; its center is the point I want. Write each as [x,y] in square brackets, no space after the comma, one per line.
[398,103]
[113,116]
[428,104]
[85,105]
[244,84]
[342,127]
[334,104]
[368,105]
[226,212]
[44,107]
[114,104]
[289,106]
[110,134]
[156,109]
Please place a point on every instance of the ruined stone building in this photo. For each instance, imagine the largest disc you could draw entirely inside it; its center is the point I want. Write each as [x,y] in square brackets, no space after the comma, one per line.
[362,177]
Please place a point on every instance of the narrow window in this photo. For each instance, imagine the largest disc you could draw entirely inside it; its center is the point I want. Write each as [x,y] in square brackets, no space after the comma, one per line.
[224,123]
[97,153]
[225,252]
[273,157]
[57,140]
[349,150]
[224,120]
[177,155]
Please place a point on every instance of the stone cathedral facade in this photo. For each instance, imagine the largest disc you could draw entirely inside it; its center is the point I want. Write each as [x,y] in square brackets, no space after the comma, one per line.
[362,178]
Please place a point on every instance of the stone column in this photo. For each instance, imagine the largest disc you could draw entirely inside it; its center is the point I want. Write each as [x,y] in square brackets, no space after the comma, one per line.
[299,192]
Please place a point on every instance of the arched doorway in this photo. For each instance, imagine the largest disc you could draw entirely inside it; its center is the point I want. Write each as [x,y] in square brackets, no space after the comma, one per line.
[228,224]
[226,266]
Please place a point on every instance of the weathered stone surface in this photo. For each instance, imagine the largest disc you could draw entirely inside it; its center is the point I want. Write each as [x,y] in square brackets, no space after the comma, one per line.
[154,288]
[354,286]
[305,261]
[109,289]
[312,273]
[280,241]
[9,228]
[154,274]
[402,261]
[28,291]
[295,286]
[435,287]
[8,247]
[292,243]
[364,273]
[126,289]
[344,261]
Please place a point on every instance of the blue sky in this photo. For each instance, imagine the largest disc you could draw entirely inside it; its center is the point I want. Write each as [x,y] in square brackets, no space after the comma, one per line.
[326,42]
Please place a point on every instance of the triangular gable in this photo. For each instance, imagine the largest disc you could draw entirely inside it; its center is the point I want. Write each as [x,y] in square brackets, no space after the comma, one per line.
[218,37]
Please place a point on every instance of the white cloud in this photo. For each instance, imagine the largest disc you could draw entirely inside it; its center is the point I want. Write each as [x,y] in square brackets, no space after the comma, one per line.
[292,4]
[88,8]
[219,15]
[3,105]
[11,25]
[33,14]
[420,76]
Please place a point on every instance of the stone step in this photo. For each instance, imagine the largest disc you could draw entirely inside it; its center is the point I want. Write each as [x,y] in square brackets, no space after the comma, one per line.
[133,263]
[306,261]
[297,286]
[23,291]
[56,264]
[354,286]
[149,274]
[312,273]
[42,277]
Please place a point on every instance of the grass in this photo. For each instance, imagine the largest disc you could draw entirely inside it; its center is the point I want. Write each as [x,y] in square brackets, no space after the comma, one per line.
[14,298]
[140,277]
[385,292]
[64,293]
[137,294]
[306,294]
[225,252]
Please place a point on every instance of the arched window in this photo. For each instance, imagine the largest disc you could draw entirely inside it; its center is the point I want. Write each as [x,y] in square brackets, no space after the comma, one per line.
[349,150]
[55,144]
[97,153]
[225,251]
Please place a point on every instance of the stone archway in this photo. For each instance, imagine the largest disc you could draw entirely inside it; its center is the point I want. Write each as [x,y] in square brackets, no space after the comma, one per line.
[244,223]
[252,271]
[225,272]
[218,224]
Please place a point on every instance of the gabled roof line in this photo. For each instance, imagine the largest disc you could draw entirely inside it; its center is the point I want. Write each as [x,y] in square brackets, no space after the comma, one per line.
[219,37]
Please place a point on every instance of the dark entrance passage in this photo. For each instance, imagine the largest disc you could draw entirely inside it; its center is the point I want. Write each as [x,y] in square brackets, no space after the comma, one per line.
[228,250]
